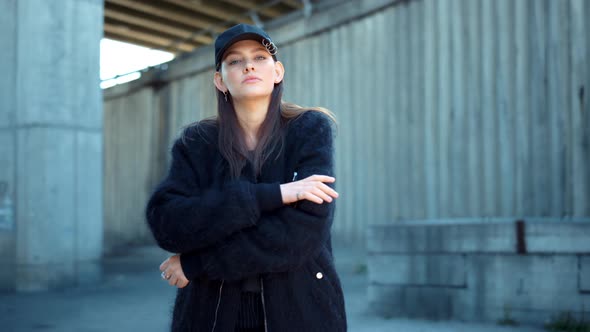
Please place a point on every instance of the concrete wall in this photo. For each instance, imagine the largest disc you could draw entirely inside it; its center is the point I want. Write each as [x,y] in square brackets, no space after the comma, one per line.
[8,144]
[447,108]
[50,143]
[140,125]
[480,269]
[129,140]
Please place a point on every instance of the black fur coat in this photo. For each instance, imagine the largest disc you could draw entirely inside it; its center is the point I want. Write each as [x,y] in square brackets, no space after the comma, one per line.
[229,230]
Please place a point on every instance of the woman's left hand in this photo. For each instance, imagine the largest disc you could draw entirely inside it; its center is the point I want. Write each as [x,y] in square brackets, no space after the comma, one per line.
[172,271]
[312,188]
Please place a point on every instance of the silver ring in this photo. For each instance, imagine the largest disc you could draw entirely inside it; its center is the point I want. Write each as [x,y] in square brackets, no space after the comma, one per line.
[270,46]
[163,275]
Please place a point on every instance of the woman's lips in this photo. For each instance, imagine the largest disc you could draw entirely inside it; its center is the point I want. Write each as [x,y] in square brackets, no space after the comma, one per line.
[251,79]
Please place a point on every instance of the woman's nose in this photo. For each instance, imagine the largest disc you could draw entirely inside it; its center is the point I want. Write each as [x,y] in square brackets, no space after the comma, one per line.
[248,66]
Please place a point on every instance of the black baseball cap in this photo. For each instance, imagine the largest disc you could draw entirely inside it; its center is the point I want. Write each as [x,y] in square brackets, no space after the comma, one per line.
[238,33]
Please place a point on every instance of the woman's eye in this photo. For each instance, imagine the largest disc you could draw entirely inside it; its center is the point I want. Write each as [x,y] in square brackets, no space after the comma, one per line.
[233,62]
[260,57]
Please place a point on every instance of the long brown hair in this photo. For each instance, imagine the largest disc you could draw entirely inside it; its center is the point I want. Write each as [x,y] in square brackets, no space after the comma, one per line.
[271,134]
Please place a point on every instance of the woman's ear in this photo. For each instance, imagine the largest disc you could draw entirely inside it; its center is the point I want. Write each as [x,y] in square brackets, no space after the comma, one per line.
[218,81]
[279,71]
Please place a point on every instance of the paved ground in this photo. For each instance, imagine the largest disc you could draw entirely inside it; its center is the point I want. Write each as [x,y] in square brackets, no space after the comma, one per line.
[132,297]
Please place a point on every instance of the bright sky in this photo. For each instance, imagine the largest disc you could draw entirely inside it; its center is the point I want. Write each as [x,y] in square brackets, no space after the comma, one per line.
[118,58]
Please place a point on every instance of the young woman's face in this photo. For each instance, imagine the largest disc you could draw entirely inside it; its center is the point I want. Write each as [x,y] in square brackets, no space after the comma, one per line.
[248,71]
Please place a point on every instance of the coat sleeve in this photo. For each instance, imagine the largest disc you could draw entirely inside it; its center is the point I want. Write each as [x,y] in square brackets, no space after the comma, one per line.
[183,217]
[284,239]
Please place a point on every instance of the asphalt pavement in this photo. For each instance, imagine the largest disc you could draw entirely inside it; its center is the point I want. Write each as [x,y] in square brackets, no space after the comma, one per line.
[132,297]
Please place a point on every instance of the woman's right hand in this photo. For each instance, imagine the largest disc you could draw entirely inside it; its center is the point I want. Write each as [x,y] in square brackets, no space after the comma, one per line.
[172,271]
[312,188]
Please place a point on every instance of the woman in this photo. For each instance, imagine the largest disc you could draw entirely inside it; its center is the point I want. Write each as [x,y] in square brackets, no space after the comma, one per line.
[248,204]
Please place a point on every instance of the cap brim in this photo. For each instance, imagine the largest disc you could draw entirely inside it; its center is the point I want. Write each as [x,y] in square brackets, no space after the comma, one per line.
[243,36]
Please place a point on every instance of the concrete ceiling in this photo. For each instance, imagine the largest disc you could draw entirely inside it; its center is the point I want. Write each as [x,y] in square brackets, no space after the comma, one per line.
[180,26]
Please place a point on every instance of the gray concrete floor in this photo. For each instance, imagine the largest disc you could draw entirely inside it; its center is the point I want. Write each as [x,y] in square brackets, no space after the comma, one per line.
[132,297]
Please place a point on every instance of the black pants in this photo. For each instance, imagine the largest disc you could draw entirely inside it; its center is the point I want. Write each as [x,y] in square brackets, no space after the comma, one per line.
[251,313]
[255,329]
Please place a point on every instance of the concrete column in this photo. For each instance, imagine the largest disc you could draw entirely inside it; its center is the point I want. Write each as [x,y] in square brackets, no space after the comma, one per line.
[50,143]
